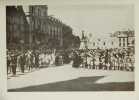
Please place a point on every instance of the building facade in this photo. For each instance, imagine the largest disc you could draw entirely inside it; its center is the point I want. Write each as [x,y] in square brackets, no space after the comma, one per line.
[119,39]
[46,30]
[126,39]
[16,27]
[38,19]
[106,42]
[36,29]
[55,32]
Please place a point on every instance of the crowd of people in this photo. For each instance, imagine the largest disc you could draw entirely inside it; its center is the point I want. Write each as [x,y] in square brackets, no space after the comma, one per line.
[106,59]
[33,59]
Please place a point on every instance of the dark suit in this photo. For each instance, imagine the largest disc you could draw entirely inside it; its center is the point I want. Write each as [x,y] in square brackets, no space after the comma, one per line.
[14,64]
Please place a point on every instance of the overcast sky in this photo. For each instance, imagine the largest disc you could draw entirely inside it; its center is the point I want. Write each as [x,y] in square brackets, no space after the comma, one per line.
[96,19]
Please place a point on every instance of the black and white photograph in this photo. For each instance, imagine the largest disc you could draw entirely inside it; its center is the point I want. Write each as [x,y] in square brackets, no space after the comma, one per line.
[70,48]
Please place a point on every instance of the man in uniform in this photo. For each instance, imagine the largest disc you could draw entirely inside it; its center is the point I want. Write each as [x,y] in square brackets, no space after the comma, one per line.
[13,63]
[22,61]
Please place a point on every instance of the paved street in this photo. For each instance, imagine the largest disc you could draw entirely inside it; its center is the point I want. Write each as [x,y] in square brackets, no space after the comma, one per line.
[66,78]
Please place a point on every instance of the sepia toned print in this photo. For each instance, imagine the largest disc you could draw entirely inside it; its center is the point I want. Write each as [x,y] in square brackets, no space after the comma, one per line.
[70,48]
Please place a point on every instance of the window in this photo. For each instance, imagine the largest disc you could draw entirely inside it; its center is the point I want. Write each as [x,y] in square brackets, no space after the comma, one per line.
[123,42]
[120,42]
[31,9]
[36,23]
[39,13]
[123,39]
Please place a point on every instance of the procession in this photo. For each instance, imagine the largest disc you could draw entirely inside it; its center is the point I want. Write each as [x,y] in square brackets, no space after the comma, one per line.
[109,59]
[29,59]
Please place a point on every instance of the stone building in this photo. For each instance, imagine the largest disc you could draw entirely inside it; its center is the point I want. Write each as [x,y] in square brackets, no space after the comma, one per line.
[118,39]
[126,39]
[35,28]
[55,32]
[16,27]
[102,42]
[47,30]
[38,24]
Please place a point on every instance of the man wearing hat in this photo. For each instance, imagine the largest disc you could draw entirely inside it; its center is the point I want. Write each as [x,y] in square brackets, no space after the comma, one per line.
[13,62]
